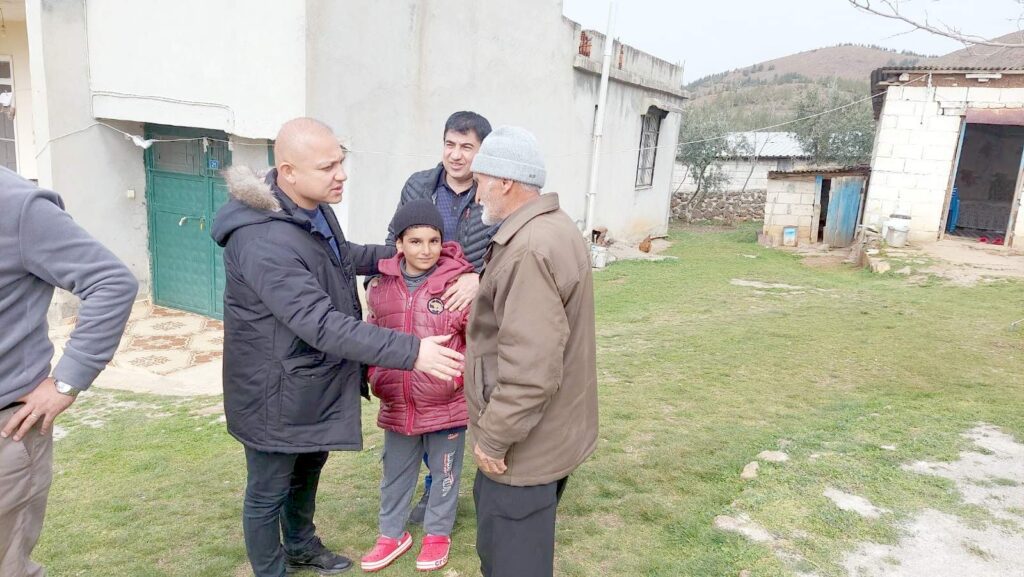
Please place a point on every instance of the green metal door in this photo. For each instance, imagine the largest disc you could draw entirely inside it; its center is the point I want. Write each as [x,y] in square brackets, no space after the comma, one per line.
[184,191]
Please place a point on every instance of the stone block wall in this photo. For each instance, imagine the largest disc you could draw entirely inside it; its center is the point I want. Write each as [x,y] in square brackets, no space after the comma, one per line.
[725,206]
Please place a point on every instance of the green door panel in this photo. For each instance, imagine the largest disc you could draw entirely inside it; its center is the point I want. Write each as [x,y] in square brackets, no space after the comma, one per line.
[220,197]
[179,192]
[182,261]
[184,192]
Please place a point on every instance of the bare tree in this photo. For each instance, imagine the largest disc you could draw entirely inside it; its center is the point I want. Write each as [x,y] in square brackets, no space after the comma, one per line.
[890,9]
[755,157]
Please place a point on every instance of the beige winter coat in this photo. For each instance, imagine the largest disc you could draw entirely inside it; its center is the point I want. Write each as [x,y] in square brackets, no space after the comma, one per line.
[531,376]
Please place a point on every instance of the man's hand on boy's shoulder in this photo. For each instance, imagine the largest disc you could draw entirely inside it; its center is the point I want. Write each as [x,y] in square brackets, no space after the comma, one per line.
[462,292]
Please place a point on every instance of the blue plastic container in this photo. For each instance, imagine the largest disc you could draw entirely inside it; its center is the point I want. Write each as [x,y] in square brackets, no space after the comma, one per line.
[954,212]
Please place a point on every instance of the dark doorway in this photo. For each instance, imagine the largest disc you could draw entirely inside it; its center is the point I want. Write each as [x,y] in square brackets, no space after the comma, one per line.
[826,189]
[986,181]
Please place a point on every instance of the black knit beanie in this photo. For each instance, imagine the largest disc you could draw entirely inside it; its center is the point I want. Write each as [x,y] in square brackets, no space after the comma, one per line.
[419,212]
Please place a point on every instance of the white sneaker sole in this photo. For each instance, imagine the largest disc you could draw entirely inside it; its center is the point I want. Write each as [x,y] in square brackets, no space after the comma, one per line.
[431,565]
[378,565]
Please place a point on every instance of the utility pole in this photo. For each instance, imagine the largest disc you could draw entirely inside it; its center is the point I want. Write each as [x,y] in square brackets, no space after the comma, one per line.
[602,101]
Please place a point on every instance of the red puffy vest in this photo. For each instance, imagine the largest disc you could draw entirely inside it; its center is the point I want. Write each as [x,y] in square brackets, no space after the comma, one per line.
[413,402]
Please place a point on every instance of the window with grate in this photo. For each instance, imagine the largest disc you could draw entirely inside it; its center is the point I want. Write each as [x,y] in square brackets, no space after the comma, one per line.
[8,142]
[649,129]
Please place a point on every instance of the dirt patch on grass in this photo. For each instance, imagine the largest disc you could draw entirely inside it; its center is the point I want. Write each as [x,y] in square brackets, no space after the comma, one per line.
[831,260]
[764,285]
[941,545]
[933,543]
[854,503]
[937,544]
[991,477]
[95,408]
[966,264]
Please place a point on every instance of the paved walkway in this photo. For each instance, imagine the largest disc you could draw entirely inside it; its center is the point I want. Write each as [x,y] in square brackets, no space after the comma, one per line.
[163,351]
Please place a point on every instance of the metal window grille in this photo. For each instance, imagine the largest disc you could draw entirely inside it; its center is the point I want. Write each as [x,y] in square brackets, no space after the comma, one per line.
[650,127]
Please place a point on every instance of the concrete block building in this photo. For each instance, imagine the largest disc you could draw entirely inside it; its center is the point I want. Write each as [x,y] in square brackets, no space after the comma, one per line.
[824,206]
[950,145]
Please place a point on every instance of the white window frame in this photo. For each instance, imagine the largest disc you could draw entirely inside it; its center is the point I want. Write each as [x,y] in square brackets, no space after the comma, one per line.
[649,139]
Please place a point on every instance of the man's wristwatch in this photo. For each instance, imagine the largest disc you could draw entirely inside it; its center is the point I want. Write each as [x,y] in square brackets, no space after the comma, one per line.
[66,389]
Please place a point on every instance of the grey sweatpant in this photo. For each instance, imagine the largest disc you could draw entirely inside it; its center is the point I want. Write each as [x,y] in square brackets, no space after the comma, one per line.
[402,455]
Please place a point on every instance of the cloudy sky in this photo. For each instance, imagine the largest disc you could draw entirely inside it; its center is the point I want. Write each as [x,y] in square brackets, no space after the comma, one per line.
[718,35]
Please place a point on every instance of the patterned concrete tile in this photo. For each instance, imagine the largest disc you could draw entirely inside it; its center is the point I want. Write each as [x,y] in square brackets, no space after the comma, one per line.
[161,362]
[183,325]
[163,342]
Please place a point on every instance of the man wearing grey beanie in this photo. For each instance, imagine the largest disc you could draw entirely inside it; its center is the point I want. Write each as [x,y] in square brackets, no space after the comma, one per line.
[531,376]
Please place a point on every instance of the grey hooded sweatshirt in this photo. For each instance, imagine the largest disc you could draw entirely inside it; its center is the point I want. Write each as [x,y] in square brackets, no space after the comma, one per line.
[41,247]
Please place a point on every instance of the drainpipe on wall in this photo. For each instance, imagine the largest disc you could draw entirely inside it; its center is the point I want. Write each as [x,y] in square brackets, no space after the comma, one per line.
[602,101]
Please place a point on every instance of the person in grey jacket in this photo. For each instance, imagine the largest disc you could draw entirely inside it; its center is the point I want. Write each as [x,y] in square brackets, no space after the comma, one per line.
[42,248]
[295,345]
[450,187]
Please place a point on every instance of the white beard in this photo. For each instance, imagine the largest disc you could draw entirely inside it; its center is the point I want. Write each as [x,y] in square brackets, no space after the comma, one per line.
[488,218]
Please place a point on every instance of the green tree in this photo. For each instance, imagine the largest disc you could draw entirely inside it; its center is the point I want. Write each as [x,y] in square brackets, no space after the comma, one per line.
[702,147]
[835,129]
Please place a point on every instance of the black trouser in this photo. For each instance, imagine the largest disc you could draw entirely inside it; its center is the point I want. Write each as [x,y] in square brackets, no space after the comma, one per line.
[280,496]
[515,527]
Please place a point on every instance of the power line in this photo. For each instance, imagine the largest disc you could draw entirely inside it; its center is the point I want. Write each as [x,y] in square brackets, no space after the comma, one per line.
[146,143]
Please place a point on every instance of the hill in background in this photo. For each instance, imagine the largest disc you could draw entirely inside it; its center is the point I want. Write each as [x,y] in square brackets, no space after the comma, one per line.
[766,93]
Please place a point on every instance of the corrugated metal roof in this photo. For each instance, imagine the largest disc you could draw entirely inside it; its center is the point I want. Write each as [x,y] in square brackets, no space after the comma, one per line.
[988,56]
[954,69]
[765,145]
[979,59]
[976,58]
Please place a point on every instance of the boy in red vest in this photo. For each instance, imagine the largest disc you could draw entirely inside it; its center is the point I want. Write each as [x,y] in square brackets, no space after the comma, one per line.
[418,412]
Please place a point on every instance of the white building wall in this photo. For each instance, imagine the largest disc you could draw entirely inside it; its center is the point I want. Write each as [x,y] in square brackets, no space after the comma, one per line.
[14,44]
[915,150]
[390,93]
[629,212]
[245,67]
[231,65]
[740,172]
[91,166]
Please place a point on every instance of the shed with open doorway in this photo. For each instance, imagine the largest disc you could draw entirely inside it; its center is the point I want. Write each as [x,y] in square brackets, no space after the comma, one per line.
[819,206]
[949,151]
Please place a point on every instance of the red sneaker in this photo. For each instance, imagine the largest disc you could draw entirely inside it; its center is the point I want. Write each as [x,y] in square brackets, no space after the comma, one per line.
[385,552]
[434,553]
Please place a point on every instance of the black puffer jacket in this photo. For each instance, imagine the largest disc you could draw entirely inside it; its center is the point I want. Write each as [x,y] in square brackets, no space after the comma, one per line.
[294,341]
[474,235]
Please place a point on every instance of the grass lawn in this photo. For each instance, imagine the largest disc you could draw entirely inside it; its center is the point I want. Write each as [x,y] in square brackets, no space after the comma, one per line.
[697,376]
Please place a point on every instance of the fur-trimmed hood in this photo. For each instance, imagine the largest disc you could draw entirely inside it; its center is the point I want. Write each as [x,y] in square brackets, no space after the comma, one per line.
[248,188]
[253,201]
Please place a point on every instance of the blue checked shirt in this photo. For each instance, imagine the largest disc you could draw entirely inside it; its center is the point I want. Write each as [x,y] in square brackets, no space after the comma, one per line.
[451,206]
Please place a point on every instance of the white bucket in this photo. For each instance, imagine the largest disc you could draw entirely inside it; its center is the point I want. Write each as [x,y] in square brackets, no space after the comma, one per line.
[598,256]
[897,230]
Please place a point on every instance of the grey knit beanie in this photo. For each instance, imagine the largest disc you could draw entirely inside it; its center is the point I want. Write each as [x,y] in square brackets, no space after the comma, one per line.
[511,152]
